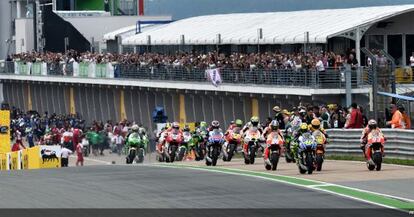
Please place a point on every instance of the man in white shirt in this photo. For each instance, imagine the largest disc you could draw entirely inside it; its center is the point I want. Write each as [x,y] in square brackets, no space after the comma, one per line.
[65,156]
[319,65]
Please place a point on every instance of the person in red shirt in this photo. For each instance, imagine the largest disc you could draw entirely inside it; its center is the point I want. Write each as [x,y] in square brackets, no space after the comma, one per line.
[356,119]
[17,147]
[79,154]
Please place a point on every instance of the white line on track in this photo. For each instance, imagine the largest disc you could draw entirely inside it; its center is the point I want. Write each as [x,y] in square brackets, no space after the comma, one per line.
[312,187]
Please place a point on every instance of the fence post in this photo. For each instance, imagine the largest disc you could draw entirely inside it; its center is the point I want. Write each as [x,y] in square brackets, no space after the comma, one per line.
[348,85]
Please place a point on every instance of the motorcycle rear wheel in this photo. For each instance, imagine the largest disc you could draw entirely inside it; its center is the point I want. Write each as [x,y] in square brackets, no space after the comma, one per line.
[309,162]
[377,157]
[319,162]
[274,160]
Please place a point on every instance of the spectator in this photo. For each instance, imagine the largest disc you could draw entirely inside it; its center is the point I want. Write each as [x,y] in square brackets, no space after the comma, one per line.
[17,147]
[397,118]
[405,117]
[355,118]
[79,154]
[412,61]
[65,152]
[352,61]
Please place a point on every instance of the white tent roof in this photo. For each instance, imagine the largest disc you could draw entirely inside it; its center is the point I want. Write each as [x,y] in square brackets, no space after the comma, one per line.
[278,27]
[128,31]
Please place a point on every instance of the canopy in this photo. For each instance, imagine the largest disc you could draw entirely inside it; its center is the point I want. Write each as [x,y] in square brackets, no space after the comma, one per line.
[277,27]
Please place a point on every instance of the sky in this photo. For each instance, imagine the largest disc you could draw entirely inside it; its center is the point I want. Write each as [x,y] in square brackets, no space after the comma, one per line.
[188,8]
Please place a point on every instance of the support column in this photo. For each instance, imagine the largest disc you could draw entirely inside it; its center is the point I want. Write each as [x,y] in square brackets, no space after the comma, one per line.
[183,117]
[386,43]
[358,45]
[348,85]
[72,108]
[122,110]
[255,107]
[29,98]
[404,49]
[18,9]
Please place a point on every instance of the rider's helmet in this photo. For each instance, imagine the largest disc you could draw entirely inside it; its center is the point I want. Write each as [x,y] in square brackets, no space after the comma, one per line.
[142,131]
[239,123]
[316,124]
[274,125]
[276,109]
[175,126]
[203,124]
[303,128]
[168,125]
[135,128]
[255,121]
[372,124]
[186,128]
[215,124]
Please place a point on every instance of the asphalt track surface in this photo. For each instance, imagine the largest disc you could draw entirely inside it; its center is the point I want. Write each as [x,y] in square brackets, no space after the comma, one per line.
[115,186]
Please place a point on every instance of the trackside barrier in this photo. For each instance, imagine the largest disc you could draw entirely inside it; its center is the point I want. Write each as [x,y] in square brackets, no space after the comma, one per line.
[399,144]
[38,157]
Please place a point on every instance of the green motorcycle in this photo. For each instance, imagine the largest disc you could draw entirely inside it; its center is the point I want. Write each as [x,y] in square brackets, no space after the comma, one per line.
[136,148]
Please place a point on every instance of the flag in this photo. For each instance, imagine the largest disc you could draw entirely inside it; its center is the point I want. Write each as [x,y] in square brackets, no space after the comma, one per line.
[214,76]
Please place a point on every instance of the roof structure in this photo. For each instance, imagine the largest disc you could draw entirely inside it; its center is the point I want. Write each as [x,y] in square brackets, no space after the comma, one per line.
[128,31]
[277,27]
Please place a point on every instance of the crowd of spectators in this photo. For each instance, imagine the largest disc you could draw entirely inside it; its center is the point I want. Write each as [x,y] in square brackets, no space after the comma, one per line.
[32,128]
[266,60]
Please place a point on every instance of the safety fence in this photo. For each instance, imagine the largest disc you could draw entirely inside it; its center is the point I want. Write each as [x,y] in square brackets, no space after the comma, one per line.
[399,144]
[38,157]
[308,78]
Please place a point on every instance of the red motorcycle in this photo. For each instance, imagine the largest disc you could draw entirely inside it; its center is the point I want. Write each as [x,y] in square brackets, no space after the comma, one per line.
[173,141]
[375,149]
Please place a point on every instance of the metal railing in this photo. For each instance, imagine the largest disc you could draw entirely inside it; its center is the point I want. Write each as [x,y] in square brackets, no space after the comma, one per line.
[331,78]
[399,142]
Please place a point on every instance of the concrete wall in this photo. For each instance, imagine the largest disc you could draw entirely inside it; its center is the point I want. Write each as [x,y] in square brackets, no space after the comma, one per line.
[24,35]
[107,102]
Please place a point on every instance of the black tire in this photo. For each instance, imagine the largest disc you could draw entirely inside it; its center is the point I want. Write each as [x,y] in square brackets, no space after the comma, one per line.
[214,156]
[377,158]
[160,158]
[371,167]
[302,171]
[231,152]
[287,158]
[130,158]
[246,160]
[319,162]
[181,154]
[208,163]
[173,153]
[268,167]
[140,156]
[274,159]
[309,162]
[252,155]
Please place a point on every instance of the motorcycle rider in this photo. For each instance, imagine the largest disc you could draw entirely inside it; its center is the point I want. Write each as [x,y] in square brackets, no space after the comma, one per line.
[372,126]
[214,128]
[273,128]
[297,134]
[316,126]
[133,135]
[254,122]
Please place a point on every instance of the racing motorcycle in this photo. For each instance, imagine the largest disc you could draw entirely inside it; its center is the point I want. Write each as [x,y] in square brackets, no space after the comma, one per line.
[288,145]
[196,146]
[306,152]
[136,150]
[233,139]
[251,140]
[182,150]
[320,149]
[274,142]
[173,141]
[375,144]
[215,142]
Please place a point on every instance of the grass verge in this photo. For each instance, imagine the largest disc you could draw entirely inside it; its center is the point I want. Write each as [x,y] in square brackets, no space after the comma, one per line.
[386,160]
